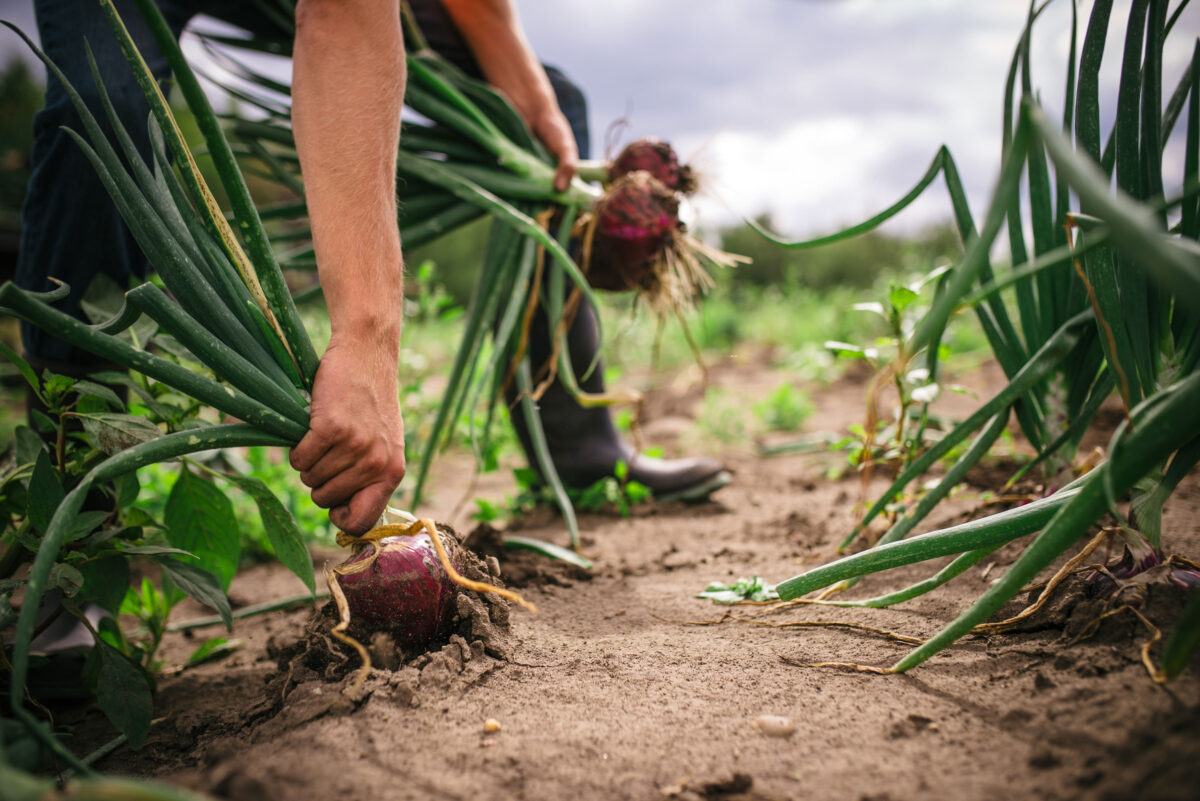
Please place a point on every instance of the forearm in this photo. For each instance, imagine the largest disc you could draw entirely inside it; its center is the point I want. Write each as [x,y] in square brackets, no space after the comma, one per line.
[496,39]
[348,88]
[493,32]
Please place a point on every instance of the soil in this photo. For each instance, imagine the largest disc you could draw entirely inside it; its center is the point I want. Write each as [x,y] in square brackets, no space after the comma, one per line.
[625,686]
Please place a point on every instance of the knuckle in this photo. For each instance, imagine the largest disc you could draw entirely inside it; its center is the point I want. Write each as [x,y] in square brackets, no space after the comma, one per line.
[397,469]
[374,463]
[324,497]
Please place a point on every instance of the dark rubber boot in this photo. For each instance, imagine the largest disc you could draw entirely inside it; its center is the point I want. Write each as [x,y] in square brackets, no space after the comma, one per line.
[583,442]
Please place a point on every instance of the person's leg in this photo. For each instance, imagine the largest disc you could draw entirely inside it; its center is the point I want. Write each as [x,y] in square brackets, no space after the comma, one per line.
[70,229]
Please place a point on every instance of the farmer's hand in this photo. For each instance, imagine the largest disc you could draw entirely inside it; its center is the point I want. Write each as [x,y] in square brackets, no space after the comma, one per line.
[353,455]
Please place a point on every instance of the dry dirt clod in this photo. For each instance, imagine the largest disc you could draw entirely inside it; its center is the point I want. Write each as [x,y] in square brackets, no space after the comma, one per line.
[491,726]
[774,725]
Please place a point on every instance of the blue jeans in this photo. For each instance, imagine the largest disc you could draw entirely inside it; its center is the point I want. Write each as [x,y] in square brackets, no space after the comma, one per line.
[70,229]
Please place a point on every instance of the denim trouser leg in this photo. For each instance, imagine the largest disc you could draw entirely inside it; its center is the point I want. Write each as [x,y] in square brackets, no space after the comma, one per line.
[70,229]
[574,107]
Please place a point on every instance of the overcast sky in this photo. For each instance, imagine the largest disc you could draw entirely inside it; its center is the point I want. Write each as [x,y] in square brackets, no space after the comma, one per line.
[820,112]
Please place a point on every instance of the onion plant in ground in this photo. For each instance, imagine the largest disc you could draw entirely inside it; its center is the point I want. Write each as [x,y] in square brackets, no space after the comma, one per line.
[70,523]
[1105,297]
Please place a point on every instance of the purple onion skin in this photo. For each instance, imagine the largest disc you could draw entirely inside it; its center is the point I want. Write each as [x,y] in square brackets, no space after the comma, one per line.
[1131,565]
[406,592]
[636,218]
[657,158]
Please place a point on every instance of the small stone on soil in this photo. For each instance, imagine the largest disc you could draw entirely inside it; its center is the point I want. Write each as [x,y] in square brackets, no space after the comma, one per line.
[774,725]
[490,726]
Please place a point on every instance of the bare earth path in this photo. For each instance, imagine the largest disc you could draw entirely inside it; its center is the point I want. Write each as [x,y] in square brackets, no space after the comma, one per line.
[611,694]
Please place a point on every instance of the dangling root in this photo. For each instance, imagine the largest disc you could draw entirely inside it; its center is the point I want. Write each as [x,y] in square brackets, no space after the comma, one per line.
[1066,570]
[372,538]
[839,665]
[339,631]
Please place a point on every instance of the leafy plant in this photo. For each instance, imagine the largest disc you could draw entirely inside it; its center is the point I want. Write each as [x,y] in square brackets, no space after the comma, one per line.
[752,589]
[255,368]
[785,409]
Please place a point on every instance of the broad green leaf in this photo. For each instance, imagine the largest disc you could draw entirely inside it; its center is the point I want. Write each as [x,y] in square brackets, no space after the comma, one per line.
[123,694]
[847,350]
[901,297]
[28,445]
[200,585]
[200,519]
[66,578]
[41,421]
[281,529]
[45,492]
[744,589]
[155,550]
[113,433]
[94,390]
[105,581]
[125,489]
[85,523]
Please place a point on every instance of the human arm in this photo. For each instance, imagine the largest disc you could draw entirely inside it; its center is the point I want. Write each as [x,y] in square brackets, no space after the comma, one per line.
[494,34]
[347,92]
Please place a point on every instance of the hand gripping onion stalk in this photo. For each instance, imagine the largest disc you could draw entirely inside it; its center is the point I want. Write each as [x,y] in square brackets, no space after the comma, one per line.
[402,579]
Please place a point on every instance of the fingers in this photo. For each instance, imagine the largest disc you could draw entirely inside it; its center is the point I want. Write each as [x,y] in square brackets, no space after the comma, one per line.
[555,133]
[372,468]
[564,174]
[308,451]
[337,460]
[363,510]
[352,458]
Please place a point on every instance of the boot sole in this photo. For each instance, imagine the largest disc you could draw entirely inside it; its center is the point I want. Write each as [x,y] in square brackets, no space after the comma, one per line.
[700,491]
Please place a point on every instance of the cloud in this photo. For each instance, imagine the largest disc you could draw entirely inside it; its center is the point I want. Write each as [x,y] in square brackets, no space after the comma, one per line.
[820,112]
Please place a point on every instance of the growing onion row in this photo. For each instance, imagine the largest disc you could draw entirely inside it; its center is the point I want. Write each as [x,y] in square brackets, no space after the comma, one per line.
[1119,310]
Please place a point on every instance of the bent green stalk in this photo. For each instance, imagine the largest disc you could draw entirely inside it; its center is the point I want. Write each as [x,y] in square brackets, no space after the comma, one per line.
[263,270]
[541,450]
[979,448]
[1155,437]
[1039,365]
[224,361]
[986,532]
[27,306]
[951,571]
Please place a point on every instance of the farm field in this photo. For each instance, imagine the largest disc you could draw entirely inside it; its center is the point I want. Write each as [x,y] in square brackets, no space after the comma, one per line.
[614,691]
[942,537]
